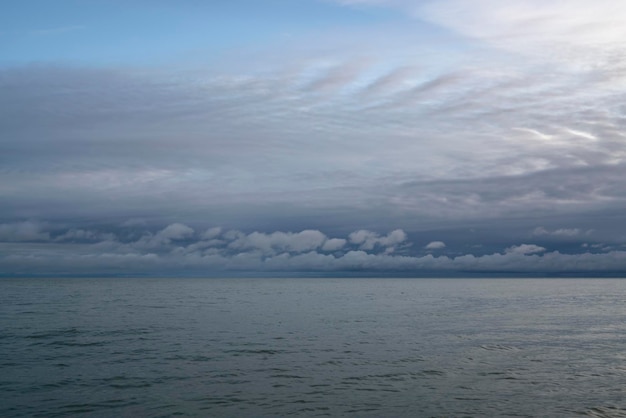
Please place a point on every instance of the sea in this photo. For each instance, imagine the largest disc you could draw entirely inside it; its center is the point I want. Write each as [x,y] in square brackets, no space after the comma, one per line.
[375,347]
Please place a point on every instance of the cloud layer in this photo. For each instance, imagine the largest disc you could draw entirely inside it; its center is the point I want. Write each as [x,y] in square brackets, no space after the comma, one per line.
[444,135]
[177,249]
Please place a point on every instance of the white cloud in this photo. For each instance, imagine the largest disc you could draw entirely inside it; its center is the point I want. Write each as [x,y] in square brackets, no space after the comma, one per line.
[363,237]
[521,259]
[577,30]
[176,231]
[180,251]
[525,249]
[393,238]
[435,245]
[368,240]
[277,242]
[334,244]
[212,233]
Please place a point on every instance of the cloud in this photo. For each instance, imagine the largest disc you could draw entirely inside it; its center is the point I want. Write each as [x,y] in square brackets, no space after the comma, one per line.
[501,118]
[368,240]
[561,232]
[172,233]
[23,231]
[278,242]
[81,235]
[435,245]
[393,81]
[337,77]
[364,238]
[525,249]
[577,29]
[177,250]
[244,143]
[212,233]
[334,244]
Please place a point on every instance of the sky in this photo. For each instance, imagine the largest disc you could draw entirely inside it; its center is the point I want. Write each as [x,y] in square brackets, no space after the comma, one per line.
[313,137]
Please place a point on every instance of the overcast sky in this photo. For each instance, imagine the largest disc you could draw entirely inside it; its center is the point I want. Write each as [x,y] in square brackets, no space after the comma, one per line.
[413,137]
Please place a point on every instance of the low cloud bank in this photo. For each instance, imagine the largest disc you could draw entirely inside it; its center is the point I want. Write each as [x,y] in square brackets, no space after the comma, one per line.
[30,248]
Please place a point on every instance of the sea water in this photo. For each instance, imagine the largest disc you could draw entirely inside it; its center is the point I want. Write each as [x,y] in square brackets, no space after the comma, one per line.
[312,347]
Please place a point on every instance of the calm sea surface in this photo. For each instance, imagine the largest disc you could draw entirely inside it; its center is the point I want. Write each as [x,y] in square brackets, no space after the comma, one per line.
[312,347]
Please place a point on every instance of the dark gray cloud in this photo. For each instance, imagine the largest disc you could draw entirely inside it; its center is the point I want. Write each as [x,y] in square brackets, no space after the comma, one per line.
[23,231]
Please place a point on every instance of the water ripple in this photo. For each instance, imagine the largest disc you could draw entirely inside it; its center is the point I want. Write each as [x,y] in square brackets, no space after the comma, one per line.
[405,348]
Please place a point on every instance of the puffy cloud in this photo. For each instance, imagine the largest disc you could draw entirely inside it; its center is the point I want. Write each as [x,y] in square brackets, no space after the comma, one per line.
[177,250]
[525,249]
[334,244]
[212,233]
[368,240]
[176,231]
[363,238]
[393,238]
[279,241]
[519,261]
[435,245]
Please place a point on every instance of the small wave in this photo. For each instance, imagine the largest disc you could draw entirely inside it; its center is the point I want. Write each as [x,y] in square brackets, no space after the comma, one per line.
[309,410]
[123,331]
[61,332]
[498,347]
[408,360]
[264,351]
[79,343]
[394,377]
[201,358]
[54,385]
[460,398]
[130,385]
[605,412]
[93,407]
[288,376]
[124,382]
[432,373]
[224,400]
[365,409]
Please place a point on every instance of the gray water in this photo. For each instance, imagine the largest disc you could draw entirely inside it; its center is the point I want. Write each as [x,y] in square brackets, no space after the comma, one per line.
[312,347]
